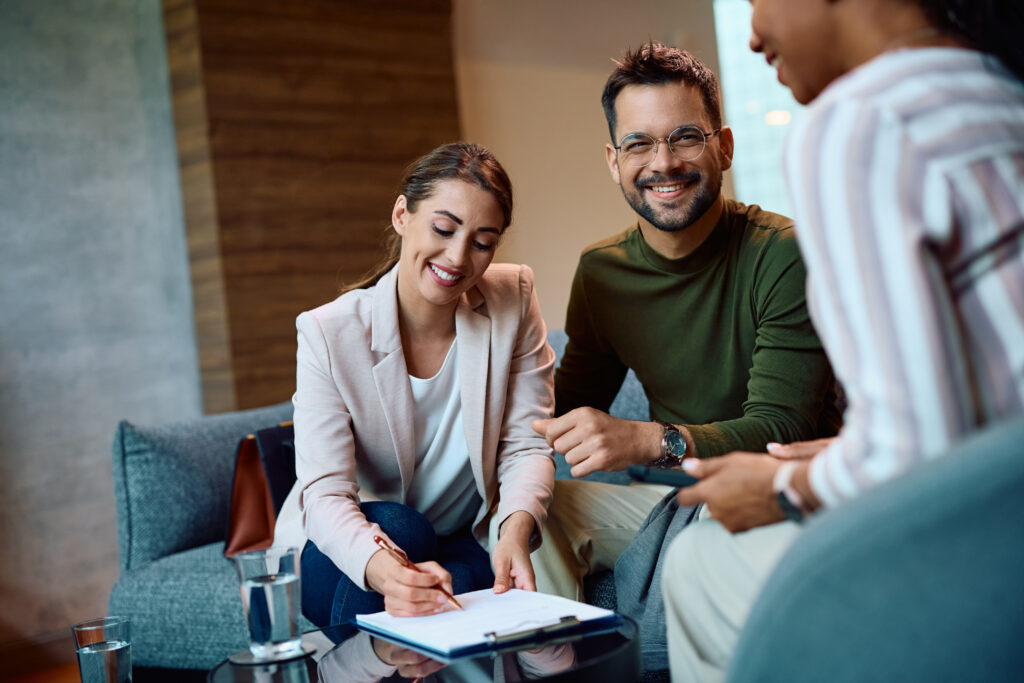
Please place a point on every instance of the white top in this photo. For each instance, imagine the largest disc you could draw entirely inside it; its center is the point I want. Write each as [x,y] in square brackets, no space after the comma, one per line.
[442,487]
[907,182]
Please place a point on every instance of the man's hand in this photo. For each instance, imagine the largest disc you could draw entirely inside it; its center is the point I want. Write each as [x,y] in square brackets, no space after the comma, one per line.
[511,554]
[737,489]
[592,440]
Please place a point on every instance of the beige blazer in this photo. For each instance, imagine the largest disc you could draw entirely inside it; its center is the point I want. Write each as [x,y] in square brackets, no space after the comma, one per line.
[354,412]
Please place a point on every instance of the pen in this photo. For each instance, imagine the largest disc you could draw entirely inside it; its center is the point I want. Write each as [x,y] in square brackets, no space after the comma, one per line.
[404,561]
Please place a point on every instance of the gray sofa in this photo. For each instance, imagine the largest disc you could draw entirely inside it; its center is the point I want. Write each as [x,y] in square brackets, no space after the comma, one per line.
[172,486]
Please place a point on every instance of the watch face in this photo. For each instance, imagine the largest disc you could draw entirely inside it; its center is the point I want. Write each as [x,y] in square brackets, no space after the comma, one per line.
[675,443]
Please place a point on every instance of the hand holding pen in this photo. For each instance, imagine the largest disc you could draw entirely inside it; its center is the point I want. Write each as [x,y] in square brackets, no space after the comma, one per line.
[410,589]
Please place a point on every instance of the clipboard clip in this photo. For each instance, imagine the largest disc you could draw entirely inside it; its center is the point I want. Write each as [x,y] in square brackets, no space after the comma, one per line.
[562,624]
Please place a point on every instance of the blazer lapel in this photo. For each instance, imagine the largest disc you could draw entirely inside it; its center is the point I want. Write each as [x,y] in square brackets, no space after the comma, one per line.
[473,331]
[391,376]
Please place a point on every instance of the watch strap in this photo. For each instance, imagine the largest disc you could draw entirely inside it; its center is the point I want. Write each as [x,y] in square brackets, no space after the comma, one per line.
[789,499]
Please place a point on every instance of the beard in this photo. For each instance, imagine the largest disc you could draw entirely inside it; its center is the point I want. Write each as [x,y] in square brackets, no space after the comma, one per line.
[674,219]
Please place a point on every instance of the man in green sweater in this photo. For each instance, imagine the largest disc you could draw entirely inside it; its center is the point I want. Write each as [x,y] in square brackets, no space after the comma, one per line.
[703,298]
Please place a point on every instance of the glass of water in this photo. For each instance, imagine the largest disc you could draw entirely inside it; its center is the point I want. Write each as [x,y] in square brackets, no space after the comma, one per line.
[270,600]
[104,650]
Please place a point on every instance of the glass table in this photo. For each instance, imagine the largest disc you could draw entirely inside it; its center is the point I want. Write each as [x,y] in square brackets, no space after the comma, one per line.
[344,655]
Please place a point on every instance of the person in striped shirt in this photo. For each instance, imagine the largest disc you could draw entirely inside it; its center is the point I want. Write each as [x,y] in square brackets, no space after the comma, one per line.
[907,179]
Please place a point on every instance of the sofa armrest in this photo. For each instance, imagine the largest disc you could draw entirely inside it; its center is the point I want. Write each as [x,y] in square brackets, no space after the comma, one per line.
[919,579]
[172,482]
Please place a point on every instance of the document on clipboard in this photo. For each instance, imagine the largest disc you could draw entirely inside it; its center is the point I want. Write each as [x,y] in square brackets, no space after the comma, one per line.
[490,621]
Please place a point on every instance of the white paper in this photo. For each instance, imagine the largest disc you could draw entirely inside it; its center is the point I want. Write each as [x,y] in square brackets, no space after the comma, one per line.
[483,612]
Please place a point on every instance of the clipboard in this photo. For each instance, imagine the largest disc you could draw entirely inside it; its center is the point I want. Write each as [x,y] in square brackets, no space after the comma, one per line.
[492,624]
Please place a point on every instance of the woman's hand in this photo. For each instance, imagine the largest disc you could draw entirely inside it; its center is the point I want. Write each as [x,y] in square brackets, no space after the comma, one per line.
[511,554]
[799,450]
[407,592]
[410,664]
[737,489]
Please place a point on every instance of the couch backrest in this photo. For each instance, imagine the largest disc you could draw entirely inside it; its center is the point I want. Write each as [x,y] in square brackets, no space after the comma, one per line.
[172,482]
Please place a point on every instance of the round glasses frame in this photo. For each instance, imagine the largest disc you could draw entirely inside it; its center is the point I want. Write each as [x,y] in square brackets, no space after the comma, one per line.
[685,143]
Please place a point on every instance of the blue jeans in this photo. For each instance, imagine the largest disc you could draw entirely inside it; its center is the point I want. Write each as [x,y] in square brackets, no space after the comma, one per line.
[329,597]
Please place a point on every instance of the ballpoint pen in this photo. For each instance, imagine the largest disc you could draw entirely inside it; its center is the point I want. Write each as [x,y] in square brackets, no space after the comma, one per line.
[405,562]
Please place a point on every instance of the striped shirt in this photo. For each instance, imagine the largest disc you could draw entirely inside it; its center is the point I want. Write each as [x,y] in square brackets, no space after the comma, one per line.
[907,178]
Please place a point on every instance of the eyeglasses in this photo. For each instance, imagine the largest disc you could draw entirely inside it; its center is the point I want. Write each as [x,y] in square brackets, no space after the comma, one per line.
[685,143]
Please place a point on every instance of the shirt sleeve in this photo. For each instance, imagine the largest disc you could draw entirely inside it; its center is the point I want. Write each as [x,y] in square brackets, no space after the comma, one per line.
[789,391]
[589,373]
[325,460]
[881,303]
[526,470]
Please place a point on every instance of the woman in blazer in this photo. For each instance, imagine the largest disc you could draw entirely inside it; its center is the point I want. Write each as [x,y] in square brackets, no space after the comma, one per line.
[415,391]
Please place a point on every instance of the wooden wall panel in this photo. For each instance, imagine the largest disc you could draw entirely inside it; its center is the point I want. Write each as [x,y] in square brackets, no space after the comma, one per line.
[200,208]
[313,108]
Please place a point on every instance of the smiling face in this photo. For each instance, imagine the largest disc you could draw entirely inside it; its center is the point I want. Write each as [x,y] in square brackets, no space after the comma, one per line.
[447,243]
[801,40]
[669,193]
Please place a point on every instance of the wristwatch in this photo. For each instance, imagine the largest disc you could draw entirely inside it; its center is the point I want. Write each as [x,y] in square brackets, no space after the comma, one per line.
[788,498]
[673,446]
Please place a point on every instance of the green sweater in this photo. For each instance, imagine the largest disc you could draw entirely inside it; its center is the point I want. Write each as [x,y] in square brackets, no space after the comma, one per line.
[720,339]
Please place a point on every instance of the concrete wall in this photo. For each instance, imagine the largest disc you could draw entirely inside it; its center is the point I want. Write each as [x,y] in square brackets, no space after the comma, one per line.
[530,76]
[95,304]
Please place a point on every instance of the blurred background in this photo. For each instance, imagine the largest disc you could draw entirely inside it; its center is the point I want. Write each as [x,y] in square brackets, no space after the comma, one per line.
[179,179]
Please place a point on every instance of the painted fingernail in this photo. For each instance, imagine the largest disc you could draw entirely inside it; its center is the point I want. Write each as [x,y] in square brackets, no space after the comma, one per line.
[689,464]
[773,446]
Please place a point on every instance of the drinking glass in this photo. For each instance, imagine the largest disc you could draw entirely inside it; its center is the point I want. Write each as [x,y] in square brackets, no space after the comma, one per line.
[270,600]
[104,650]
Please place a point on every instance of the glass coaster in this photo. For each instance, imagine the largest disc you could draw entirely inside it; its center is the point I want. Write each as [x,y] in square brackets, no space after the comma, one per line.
[247,658]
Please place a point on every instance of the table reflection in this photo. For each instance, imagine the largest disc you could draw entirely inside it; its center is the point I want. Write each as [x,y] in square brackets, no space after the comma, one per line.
[362,658]
[294,671]
[346,655]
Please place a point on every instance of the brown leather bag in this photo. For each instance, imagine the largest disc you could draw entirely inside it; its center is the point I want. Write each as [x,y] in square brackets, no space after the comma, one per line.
[256,498]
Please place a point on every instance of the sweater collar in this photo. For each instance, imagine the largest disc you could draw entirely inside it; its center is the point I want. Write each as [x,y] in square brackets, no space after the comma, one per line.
[707,254]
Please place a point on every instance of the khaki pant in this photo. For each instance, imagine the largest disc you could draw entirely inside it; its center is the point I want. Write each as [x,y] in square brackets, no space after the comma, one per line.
[710,581]
[589,525]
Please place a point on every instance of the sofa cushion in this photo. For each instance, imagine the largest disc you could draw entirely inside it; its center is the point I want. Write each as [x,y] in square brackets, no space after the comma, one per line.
[171,482]
[599,589]
[186,609]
